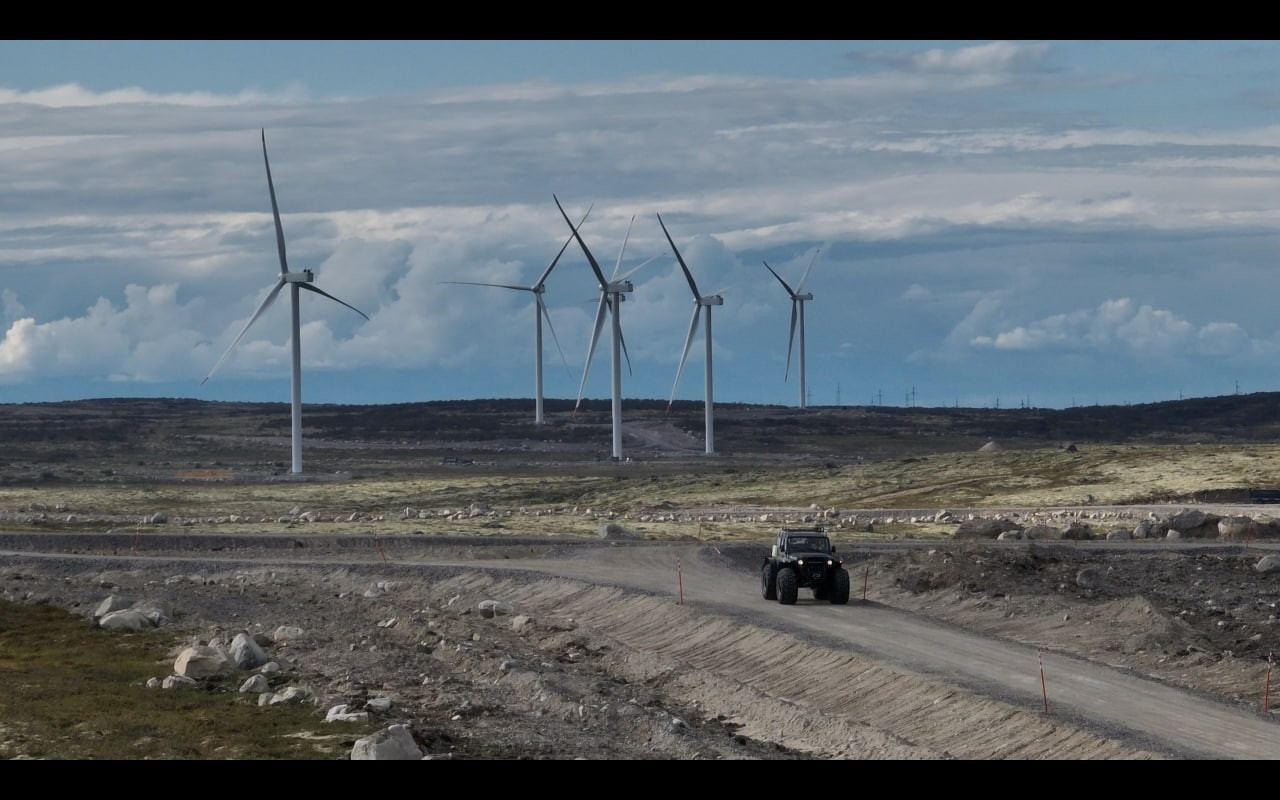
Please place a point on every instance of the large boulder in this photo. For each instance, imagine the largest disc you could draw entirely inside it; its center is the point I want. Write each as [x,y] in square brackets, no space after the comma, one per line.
[1235,529]
[394,743]
[982,528]
[1192,524]
[246,652]
[113,603]
[129,619]
[203,661]
[1078,530]
[1042,532]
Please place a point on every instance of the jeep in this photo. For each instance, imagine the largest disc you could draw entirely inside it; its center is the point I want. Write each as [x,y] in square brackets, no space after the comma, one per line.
[804,558]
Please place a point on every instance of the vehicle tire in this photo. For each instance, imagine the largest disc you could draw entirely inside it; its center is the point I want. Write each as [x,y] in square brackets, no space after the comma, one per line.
[768,587]
[788,586]
[840,587]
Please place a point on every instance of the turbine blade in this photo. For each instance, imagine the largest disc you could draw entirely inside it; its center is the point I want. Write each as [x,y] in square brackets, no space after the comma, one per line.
[496,285]
[542,308]
[687,274]
[591,351]
[313,288]
[270,298]
[790,338]
[275,210]
[688,342]
[590,258]
[547,272]
[622,341]
[780,280]
[805,277]
[638,267]
[618,266]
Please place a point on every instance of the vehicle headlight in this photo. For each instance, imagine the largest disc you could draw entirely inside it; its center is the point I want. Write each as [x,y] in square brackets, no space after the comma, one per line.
[800,562]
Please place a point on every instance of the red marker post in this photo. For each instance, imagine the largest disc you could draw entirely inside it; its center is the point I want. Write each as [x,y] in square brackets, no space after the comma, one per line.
[680,580]
[1042,689]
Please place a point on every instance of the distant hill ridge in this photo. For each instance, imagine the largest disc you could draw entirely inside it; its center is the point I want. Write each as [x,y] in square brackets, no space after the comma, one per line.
[1228,418]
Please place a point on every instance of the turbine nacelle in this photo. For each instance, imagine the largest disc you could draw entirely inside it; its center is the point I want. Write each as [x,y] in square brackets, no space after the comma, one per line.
[306,276]
[713,300]
[803,297]
[618,287]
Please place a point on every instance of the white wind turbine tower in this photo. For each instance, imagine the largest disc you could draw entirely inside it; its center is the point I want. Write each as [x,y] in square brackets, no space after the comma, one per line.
[612,293]
[699,301]
[797,311]
[295,281]
[540,311]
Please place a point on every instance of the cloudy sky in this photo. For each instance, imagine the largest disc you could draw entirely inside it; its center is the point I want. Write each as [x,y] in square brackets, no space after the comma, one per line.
[982,223]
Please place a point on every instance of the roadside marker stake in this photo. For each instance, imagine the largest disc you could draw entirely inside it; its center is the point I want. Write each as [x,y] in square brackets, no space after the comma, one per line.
[1042,689]
[1266,691]
[382,551]
[865,575]
[680,580]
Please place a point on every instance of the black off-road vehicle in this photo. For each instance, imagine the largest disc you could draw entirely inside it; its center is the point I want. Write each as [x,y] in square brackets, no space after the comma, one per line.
[804,557]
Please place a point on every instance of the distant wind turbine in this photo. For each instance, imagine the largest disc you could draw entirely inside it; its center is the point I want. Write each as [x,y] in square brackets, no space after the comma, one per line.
[539,312]
[699,301]
[295,281]
[612,293]
[797,312]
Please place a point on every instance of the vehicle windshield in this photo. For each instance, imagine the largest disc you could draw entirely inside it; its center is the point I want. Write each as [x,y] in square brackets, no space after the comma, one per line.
[809,544]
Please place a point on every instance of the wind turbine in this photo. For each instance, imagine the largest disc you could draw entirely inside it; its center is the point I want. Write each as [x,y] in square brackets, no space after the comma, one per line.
[797,310]
[612,293]
[540,311]
[295,281]
[699,301]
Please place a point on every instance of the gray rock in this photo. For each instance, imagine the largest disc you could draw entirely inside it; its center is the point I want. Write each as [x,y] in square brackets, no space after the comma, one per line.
[1090,578]
[203,661]
[394,743]
[292,695]
[494,608]
[1077,530]
[1046,532]
[246,653]
[343,713]
[127,620]
[286,633]
[1268,563]
[1234,529]
[113,603]
[612,530]
[985,528]
[1147,529]
[1194,524]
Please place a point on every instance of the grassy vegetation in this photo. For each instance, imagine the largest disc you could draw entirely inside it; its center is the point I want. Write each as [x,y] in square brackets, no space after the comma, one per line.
[71,691]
